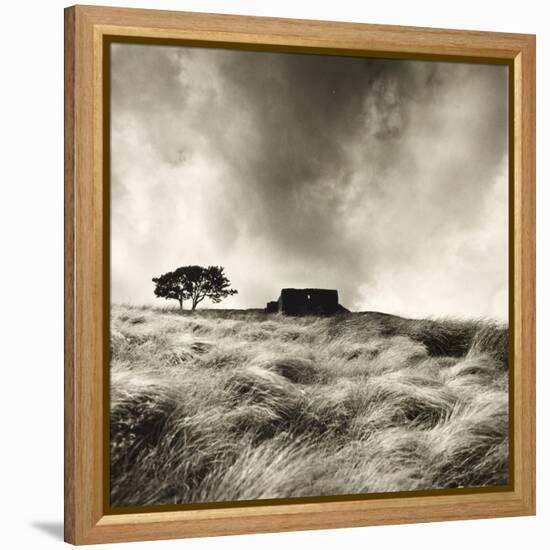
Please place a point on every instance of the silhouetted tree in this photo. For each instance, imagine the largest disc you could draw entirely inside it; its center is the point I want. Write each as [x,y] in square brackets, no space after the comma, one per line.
[195,283]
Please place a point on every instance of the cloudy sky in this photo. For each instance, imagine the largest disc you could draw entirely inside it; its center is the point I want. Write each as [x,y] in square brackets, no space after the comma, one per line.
[384,179]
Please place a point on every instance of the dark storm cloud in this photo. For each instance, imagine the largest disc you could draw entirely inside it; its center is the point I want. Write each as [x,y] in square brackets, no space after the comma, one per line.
[309,111]
[309,171]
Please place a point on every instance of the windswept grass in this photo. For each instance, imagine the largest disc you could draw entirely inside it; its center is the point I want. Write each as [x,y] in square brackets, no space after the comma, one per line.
[231,405]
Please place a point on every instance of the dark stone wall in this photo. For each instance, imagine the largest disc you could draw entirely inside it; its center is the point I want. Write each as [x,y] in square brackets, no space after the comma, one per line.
[272,307]
[308,301]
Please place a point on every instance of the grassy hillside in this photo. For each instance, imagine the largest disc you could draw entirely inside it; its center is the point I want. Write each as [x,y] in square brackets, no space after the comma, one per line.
[230,405]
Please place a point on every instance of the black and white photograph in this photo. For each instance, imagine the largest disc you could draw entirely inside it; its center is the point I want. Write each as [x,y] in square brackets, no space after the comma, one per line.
[309,275]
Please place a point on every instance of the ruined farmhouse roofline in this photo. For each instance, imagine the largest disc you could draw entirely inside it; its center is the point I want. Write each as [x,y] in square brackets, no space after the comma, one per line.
[306,301]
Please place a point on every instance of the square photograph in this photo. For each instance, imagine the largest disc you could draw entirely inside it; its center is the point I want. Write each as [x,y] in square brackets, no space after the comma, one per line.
[309,275]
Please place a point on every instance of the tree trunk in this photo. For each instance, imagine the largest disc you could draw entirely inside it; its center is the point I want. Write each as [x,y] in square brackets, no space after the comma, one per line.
[181,304]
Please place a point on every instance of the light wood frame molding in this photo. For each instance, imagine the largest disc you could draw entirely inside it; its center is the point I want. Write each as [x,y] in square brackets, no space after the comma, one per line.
[85,277]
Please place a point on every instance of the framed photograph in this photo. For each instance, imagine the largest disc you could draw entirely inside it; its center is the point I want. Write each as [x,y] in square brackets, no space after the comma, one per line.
[299,274]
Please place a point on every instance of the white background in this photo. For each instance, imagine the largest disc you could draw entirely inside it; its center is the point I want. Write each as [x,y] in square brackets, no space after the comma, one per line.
[31,278]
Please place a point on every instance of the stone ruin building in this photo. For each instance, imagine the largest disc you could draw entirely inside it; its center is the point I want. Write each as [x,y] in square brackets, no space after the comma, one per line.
[306,301]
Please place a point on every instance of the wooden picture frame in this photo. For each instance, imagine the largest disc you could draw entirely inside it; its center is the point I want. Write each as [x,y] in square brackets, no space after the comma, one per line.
[86,262]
